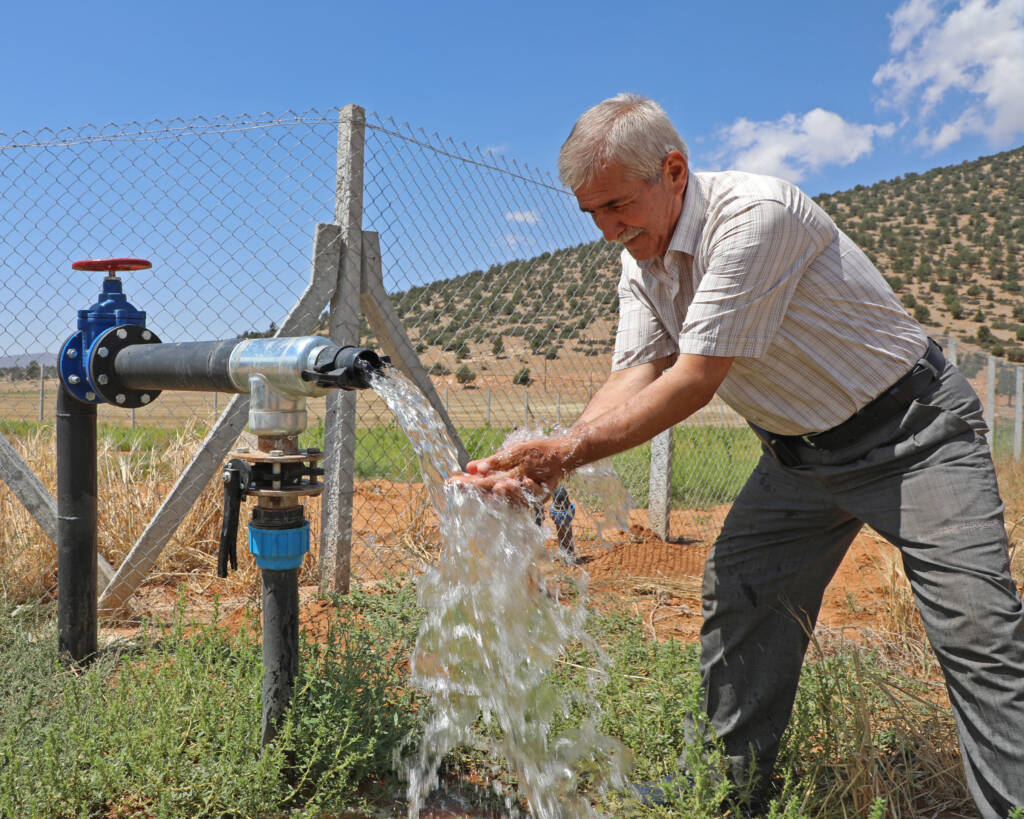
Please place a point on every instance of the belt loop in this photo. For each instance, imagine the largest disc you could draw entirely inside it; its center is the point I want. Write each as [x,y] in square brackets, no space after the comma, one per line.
[775,446]
[933,348]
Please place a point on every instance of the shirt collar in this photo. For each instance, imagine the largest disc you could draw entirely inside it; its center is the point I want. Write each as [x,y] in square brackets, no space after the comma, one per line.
[687,232]
[690,224]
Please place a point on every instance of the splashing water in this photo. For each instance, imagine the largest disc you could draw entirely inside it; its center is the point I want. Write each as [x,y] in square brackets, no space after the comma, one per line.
[493,631]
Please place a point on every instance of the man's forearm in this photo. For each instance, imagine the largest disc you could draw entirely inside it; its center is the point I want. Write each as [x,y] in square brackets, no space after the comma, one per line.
[619,387]
[682,390]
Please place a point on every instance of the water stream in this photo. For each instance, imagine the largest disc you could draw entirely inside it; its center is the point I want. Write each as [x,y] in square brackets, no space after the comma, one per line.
[497,621]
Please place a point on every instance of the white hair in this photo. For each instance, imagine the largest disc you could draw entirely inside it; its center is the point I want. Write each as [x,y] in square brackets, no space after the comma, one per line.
[628,130]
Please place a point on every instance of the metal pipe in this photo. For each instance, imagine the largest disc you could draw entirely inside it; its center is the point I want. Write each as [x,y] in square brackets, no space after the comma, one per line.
[280,646]
[76,527]
[300,367]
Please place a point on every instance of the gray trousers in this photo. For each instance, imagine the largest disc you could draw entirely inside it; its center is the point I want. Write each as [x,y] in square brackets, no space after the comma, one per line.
[925,481]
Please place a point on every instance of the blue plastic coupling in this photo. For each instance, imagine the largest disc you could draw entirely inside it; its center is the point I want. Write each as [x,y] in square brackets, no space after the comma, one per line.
[562,510]
[279,549]
[562,516]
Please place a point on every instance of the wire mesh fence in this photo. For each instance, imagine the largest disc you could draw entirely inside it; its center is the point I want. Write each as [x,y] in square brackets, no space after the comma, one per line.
[493,270]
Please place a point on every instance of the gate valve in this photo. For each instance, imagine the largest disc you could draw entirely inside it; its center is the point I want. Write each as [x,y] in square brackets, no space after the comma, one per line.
[237,478]
[106,325]
[349,368]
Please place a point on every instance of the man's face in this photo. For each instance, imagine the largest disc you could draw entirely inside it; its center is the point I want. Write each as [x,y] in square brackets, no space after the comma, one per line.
[641,215]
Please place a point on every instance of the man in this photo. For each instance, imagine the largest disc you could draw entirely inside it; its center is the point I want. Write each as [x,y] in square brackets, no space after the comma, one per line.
[739,284]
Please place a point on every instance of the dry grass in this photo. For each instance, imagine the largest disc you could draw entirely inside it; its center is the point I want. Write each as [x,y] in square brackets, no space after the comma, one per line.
[132,485]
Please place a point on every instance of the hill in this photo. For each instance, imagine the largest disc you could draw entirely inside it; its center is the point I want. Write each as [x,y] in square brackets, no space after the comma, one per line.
[947,240]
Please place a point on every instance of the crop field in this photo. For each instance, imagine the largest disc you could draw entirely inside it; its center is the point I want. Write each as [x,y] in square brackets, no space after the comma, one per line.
[166,721]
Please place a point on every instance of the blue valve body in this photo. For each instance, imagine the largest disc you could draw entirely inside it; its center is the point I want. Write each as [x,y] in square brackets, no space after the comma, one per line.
[112,309]
[279,549]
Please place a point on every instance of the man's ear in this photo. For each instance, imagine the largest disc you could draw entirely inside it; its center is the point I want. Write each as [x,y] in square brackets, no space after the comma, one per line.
[675,170]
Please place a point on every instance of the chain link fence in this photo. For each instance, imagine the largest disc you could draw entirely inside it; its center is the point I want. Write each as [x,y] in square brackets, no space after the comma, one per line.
[493,270]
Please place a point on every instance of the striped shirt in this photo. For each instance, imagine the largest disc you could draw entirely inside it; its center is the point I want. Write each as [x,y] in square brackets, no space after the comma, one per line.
[756,270]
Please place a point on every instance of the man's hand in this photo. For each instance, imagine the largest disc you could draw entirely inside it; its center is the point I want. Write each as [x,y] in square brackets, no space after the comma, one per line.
[524,472]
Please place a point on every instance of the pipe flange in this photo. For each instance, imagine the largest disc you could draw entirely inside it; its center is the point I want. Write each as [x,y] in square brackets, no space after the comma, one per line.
[101,365]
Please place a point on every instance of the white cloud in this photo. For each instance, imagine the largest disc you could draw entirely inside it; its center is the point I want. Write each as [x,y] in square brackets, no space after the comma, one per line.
[971,56]
[525,217]
[793,146]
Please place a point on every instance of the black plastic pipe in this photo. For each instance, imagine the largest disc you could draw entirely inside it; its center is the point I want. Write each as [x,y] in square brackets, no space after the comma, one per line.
[76,528]
[280,645]
[192,365]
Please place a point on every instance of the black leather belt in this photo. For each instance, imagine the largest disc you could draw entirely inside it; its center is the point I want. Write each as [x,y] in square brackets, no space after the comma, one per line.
[894,400]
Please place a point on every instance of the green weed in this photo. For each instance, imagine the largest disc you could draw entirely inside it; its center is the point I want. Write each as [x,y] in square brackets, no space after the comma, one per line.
[169,726]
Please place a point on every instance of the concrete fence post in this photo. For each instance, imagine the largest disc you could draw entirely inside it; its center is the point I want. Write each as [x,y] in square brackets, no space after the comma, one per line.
[343,328]
[990,401]
[1018,412]
[659,494]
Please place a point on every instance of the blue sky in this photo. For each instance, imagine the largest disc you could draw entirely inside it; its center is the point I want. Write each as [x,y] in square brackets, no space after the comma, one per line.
[827,94]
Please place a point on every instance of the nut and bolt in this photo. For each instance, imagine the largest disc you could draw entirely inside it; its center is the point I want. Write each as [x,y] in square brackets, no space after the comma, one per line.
[73,379]
[144,398]
[275,453]
[120,398]
[146,335]
[90,396]
[102,352]
[72,352]
[102,378]
[122,334]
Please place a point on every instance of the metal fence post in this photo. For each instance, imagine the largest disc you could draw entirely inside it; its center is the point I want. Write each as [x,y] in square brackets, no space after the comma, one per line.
[343,328]
[951,353]
[990,401]
[42,394]
[659,494]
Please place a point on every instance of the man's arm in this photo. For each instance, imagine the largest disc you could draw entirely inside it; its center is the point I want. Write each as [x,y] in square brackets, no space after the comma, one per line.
[619,386]
[537,466]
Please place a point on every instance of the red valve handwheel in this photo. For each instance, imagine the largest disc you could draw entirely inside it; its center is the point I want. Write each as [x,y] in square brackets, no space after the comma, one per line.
[111,266]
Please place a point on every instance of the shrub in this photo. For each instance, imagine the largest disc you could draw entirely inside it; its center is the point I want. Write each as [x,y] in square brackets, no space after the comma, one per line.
[439,368]
[522,377]
[464,375]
